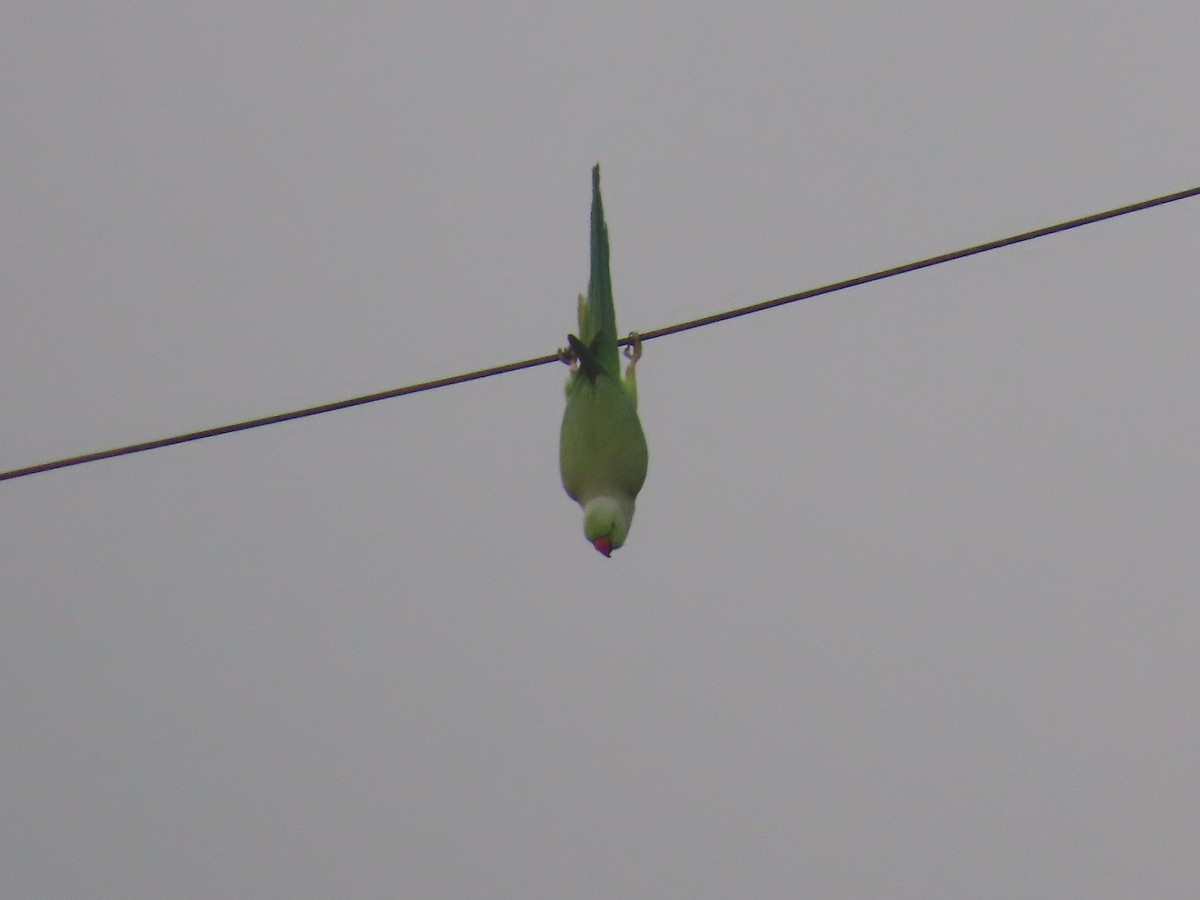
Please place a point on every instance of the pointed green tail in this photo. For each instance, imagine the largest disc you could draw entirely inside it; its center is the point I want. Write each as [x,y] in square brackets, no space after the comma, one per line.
[597,316]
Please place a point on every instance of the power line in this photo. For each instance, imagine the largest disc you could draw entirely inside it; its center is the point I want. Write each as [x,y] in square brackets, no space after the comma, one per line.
[272,420]
[919,264]
[645,336]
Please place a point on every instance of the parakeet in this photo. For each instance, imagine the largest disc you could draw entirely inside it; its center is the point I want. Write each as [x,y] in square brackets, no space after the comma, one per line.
[602,450]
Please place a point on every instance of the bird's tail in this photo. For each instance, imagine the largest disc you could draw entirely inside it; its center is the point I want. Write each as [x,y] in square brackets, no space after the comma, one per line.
[599,322]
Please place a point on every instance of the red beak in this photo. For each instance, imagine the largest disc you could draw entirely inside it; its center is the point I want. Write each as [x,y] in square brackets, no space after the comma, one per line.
[604,545]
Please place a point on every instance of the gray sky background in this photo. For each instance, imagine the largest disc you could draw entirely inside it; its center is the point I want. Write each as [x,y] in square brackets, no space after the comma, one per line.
[909,608]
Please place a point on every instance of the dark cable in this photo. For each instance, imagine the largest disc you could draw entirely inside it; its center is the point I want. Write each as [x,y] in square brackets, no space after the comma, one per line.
[645,336]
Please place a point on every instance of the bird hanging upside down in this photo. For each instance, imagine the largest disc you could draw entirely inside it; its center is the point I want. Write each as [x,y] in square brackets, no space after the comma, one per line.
[602,450]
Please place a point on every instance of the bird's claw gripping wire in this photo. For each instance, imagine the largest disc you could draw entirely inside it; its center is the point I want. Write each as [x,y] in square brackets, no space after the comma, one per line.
[633,352]
[568,356]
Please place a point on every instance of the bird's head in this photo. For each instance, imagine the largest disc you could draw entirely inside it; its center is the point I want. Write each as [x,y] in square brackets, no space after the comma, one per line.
[606,522]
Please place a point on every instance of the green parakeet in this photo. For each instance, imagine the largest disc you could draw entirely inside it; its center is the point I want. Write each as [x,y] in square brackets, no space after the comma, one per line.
[602,450]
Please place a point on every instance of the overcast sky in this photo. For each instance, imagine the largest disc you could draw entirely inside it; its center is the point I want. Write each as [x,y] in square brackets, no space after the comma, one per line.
[909,606]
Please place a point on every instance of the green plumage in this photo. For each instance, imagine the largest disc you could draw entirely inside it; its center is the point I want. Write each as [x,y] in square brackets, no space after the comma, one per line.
[602,450]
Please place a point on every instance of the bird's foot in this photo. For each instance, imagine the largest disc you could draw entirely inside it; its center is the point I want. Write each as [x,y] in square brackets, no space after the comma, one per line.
[568,356]
[633,352]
